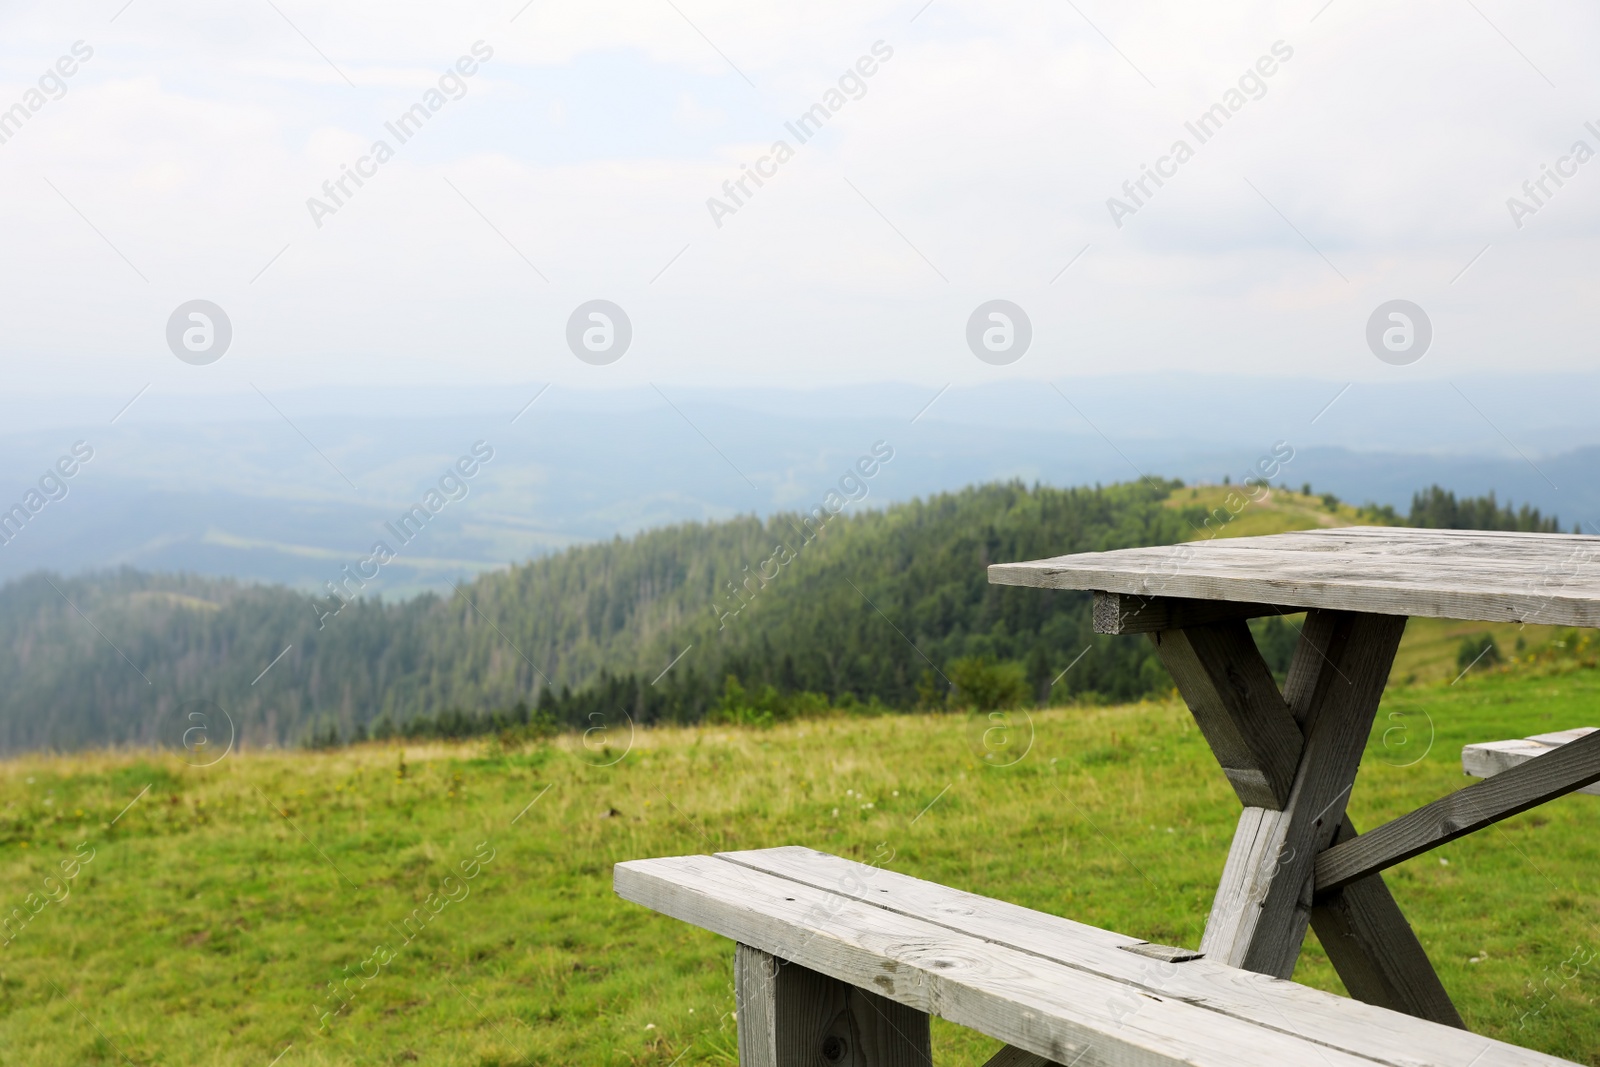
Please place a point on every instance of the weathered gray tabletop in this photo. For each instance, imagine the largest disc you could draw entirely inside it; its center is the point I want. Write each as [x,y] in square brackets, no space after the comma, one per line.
[1484,575]
[1292,755]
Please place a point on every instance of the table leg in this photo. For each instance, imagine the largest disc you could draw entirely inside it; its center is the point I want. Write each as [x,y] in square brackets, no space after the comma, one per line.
[790,1016]
[1373,948]
[1294,796]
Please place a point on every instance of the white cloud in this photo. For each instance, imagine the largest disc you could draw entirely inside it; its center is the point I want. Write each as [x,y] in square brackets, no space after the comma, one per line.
[987,148]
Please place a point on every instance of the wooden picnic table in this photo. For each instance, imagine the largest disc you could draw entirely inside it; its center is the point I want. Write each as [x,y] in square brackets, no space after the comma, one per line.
[842,964]
[1292,755]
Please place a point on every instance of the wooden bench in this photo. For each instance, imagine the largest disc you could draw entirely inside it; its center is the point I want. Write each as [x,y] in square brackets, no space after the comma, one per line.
[840,964]
[1489,758]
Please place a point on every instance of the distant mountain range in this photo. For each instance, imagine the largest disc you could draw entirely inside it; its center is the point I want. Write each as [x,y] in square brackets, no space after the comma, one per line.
[292,488]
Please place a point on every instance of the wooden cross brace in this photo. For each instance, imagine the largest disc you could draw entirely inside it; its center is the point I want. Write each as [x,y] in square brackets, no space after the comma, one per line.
[1292,759]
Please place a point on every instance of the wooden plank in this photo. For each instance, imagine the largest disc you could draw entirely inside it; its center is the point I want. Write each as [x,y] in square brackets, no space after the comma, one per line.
[1512,792]
[1230,691]
[1041,1006]
[791,1016]
[1489,758]
[1487,575]
[1262,908]
[1382,1035]
[755,1005]
[1308,667]
[1375,951]
[1122,613]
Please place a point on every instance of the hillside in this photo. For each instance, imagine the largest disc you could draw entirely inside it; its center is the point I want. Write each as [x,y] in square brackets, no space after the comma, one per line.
[214,913]
[878,607]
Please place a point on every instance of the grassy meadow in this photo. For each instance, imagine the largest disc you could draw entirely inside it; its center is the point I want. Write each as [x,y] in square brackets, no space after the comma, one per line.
[209,908]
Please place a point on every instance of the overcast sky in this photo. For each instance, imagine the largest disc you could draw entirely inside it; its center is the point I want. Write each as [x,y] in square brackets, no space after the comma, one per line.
[1374,162]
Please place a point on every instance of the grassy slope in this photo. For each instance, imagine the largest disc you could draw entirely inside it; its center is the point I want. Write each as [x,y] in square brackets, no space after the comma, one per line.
[207,924]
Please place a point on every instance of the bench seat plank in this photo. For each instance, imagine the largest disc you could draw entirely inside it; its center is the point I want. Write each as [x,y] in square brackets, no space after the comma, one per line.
[1384,1035]
[1050,986]
[1489,758]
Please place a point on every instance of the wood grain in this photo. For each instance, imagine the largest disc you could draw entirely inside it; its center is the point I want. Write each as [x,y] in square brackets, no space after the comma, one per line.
[1492,576]
[1368,939]
[1572,766]
[1263,905]
[1229,689]
[1121,613]
[1052,1010]
[1379,1034]
[791,1016]
[1377,954]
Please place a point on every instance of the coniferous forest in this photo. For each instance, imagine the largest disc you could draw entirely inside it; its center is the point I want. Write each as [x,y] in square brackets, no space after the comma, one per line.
[746,620]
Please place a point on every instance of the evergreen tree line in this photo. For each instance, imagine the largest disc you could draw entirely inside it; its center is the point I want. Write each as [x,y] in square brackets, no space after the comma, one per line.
[743,620]
[1438,509]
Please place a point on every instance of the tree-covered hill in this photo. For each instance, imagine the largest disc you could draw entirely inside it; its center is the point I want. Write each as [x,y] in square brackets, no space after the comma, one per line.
[885,606]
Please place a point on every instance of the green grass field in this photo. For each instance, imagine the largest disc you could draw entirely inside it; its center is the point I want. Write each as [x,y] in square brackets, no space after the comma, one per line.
[204,925]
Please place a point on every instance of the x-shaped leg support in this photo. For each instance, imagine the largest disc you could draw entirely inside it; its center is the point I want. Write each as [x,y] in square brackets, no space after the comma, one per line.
[1292,758]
